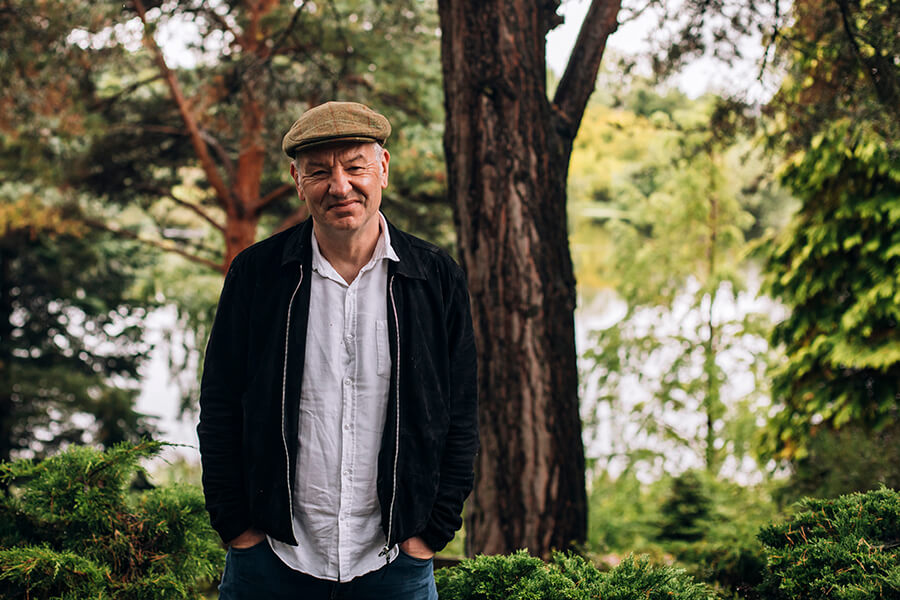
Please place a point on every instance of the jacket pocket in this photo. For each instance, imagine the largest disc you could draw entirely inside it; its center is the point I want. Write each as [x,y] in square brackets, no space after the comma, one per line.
[383,348]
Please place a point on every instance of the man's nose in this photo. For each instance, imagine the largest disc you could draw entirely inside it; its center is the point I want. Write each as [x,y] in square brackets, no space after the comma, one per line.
[339,184]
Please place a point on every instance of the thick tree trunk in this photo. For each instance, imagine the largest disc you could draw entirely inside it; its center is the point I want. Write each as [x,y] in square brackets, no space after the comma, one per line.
[507,168]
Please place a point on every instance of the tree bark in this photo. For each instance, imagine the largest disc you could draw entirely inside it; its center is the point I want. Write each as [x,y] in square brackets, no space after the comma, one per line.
[507,150]
[7,418]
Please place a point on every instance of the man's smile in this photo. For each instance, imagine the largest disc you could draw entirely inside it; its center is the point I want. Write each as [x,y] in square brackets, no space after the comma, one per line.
[343,203]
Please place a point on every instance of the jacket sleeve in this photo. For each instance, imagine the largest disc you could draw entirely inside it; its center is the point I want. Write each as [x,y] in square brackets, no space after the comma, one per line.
[221,419]
[457,476]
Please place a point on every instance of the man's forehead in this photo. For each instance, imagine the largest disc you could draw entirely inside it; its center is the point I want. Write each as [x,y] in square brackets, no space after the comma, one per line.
[338,153]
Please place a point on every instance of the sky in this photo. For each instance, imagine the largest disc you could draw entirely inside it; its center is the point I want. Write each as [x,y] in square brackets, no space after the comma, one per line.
[700,76]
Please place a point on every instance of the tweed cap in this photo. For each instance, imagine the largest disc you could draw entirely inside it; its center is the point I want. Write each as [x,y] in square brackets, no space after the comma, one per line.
[334,122]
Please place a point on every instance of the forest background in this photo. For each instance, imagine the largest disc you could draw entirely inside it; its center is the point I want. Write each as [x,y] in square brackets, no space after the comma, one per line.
[736,251]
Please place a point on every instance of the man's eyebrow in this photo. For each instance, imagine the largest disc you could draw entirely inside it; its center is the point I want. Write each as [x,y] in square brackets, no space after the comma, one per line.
[312,162]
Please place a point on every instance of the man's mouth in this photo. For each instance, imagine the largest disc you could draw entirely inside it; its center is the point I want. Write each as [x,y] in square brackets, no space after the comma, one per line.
[343,203]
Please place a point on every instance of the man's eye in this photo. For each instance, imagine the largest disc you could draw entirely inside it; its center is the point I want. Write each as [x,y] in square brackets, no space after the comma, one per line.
[354,169]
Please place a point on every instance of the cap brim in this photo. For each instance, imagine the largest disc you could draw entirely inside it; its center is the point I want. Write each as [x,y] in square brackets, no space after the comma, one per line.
[293,151]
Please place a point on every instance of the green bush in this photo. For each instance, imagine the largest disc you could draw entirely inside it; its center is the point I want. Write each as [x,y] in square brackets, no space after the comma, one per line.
[734,569]
[709,526]
[847,548]
[71,528]
[566,577]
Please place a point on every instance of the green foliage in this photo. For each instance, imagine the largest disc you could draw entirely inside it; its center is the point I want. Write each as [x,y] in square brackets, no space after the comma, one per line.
[623,513]
[70,336]
[566,577]
[628,516]
[847,548]
[838,268]
[667,195]
[70,527]
[828,469]
[840,63]
[684,511]
[709,526]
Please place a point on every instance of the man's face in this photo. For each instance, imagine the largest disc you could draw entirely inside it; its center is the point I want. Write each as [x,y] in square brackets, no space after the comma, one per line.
[342,185]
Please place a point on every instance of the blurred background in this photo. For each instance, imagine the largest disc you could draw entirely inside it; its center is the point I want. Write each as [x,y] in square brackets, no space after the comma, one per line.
[733,219]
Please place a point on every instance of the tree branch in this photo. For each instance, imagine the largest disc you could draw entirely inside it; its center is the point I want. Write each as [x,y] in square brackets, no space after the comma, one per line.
[106,101]
[211,13]
[282,38]
[198,210]
[218,267]
[580,77]
[878,68]
[220,152]
[200,147]
[275,194]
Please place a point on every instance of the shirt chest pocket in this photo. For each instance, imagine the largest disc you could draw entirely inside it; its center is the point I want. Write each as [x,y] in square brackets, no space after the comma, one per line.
[383,349]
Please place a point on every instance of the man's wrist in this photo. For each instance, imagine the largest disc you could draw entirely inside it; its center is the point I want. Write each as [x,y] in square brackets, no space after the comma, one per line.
[248,538]
[417,548]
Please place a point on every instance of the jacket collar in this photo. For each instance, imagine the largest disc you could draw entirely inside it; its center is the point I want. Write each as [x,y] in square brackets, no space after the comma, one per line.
[298,248]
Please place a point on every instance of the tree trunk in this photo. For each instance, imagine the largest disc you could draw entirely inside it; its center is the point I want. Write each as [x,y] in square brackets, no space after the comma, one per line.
[7,418]
[507,149]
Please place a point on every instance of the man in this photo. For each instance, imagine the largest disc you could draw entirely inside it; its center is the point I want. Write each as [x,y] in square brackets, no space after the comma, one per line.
[338,417]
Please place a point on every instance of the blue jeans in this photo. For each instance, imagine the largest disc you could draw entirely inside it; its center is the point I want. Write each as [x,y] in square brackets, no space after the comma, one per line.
[256,573]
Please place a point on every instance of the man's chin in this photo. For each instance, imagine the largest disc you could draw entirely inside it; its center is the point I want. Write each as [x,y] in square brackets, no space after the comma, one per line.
[346,222]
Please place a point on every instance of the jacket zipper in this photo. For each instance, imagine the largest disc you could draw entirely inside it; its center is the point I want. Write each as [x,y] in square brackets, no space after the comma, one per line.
[287,458]
[387,545]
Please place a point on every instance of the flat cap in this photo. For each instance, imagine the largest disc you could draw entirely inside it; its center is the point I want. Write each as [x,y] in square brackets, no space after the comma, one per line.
[334,122]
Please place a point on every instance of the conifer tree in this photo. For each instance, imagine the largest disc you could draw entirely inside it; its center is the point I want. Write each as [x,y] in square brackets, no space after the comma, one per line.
[71,528]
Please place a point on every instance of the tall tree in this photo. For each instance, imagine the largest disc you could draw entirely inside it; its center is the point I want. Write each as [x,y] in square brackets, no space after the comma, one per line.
[507,148]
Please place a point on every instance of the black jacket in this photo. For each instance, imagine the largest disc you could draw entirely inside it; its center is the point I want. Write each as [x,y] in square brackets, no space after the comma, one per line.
[250,391]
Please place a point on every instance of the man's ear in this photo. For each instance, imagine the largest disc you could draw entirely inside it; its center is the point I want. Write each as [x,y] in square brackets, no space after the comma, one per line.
[385,160]
[295,175]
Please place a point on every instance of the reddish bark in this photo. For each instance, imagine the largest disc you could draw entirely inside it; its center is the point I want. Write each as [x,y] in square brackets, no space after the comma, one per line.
[238,195]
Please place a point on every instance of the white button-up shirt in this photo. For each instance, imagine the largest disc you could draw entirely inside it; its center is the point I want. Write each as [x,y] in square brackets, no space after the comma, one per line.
[343,405]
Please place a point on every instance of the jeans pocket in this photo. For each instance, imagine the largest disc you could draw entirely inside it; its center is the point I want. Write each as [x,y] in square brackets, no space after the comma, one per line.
[412,559]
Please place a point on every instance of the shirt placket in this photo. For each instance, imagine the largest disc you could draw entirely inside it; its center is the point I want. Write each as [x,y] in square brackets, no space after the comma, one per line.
[348,414]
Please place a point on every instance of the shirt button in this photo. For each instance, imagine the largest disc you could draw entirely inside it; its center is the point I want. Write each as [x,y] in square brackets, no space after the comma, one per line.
[347,426]
[347,473]
[348,381]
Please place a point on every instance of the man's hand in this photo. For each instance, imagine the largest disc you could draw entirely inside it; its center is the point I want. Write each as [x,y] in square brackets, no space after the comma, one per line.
[416,548]
[249,538]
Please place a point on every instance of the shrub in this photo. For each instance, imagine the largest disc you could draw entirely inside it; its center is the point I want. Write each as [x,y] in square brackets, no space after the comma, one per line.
[847,548]
[71,528]
[735,569]
[686,509]
[566,577]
